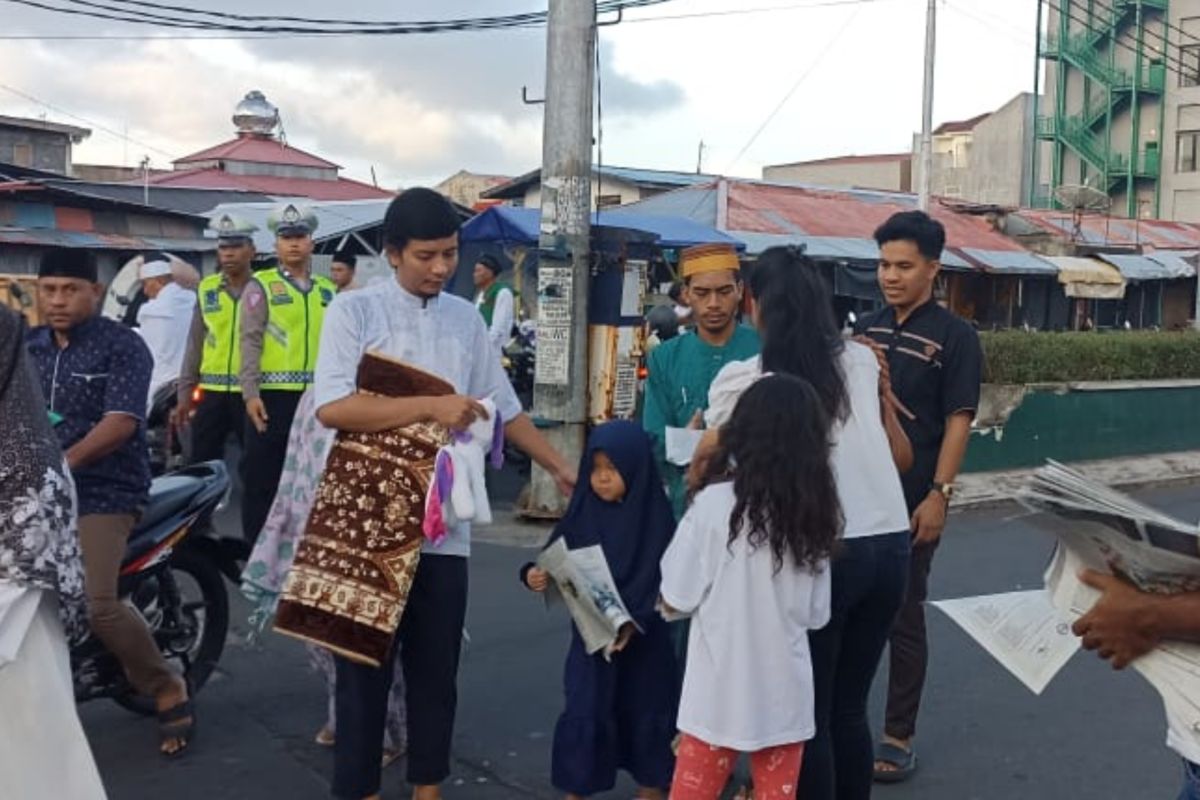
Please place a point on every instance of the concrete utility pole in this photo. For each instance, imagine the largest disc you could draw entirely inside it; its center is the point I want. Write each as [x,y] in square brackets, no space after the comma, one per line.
[927,109]
[561,375]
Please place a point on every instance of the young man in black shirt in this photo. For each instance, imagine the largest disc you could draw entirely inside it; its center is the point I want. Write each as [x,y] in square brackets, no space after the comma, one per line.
[935,364]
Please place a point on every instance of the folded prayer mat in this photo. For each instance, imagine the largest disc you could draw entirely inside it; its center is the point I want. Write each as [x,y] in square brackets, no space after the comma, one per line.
[356,561]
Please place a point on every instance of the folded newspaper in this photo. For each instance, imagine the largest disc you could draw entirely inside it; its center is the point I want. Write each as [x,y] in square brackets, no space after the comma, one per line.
[1101,529]
[582,579]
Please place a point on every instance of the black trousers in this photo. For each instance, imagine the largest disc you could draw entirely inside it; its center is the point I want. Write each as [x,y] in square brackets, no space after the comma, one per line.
[909,649]
[430,638]
[217,415]
[262,463]
[869,577]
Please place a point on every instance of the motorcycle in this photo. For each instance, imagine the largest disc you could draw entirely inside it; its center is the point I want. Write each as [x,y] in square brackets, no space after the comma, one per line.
[166,449]
[173,577]
[518,362]
[519,355]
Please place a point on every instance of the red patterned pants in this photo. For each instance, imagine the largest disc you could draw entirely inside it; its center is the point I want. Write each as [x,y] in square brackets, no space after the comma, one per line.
[702,770]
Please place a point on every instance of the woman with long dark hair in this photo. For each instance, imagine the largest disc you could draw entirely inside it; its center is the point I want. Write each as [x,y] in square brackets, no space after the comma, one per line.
[792,307]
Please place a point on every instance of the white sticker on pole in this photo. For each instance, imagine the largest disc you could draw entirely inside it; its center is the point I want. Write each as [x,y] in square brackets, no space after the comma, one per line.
[552,363]
[633,288]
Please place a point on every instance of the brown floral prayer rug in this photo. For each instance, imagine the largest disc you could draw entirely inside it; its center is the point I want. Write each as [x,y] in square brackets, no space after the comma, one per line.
[356,561]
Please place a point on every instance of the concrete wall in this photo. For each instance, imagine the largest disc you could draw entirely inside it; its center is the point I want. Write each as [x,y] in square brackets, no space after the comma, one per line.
[46,150]
[1180,182]
[1090,421]
[465,188]
[894,176]
[627,192]
[990,164]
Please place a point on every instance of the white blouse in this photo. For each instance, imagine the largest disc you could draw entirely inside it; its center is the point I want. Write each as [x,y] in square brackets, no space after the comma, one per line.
[868,484]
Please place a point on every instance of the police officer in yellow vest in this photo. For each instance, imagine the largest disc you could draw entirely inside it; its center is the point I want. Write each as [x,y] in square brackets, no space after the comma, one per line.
[282,311]
[213,355]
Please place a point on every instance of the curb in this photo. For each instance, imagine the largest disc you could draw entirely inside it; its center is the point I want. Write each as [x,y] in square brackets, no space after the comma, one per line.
[978,491]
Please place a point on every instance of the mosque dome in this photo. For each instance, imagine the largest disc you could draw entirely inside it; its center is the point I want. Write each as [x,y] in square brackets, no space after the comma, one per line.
[255,115]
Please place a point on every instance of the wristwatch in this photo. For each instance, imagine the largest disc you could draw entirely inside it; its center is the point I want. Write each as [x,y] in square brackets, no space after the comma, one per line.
[946,490]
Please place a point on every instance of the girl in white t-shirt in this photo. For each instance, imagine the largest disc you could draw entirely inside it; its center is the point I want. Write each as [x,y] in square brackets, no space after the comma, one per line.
[793,309]
[750,564]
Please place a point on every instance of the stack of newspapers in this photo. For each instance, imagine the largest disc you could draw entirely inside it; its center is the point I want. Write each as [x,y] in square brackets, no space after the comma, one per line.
[1097,528]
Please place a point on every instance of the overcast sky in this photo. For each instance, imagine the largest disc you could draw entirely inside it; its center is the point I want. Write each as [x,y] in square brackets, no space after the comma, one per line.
[418,108]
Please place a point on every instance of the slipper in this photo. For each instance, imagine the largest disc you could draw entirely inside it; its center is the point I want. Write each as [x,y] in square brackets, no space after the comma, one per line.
[392,755]
[325,738]
[177,723]
[904,761]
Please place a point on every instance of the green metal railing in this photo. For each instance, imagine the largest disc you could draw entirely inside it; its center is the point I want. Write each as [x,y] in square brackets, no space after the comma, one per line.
[1085,41]
[1149,163]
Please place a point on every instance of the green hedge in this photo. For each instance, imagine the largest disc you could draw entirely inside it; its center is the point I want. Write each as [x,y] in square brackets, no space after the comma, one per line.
[1022,357]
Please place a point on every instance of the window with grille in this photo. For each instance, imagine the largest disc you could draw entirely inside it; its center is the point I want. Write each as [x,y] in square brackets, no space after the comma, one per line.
[1186,145]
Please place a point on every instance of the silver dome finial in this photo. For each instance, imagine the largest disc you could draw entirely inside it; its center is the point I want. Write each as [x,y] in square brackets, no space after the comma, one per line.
[255,115]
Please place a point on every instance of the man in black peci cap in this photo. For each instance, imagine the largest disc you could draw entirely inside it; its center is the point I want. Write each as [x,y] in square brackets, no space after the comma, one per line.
[94,375]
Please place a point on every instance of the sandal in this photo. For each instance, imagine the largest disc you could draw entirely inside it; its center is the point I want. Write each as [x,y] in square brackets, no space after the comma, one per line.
[177,724]
[392,754]
[904,763]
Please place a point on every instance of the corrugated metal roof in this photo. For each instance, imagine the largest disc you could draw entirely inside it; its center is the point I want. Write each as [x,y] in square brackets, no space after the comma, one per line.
[1013,262]
[1101,230]
[836,223]
[646,177]
[1175,261]
[102,241]
[838,247]
[340,189]
[335,219]
[1140,268]
[186,199]
[761,207]
[259,150]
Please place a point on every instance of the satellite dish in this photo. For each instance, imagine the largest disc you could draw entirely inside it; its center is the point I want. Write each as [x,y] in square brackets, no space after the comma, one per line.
[1080,198]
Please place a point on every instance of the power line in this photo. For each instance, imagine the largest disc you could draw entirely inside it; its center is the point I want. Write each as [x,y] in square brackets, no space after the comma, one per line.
[85,120]
[1172,64]
[192,19]
[737,12]
[829,45]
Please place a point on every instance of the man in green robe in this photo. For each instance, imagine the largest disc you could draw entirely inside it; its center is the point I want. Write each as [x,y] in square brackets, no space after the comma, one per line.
[682,369]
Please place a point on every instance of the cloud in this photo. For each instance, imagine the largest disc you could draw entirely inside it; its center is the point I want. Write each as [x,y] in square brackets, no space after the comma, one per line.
[411,106]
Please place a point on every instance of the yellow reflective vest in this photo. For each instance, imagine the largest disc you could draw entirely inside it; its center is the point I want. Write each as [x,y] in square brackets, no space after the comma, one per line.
[221,358]
[293,333]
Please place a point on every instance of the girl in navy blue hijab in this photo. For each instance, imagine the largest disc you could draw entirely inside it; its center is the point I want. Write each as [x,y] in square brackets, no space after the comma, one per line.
[619,714]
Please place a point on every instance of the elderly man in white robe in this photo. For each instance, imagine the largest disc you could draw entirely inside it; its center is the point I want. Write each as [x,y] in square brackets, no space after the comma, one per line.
[164,321]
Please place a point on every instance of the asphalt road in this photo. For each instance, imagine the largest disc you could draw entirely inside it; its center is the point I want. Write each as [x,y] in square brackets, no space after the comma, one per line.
[982,735]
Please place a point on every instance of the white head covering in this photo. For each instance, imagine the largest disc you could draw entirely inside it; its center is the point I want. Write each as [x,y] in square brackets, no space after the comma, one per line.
[154,269]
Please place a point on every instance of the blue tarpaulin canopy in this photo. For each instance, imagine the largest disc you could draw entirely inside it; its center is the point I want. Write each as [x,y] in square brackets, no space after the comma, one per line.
[520,226]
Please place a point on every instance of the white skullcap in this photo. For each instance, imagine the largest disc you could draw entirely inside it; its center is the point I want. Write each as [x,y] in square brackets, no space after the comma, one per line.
[154,269]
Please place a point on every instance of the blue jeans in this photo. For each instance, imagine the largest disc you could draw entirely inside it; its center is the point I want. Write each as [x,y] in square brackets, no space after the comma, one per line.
[1191,782]
[870,576]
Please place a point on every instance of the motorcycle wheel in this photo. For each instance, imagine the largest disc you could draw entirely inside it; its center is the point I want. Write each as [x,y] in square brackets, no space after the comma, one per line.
[208,614]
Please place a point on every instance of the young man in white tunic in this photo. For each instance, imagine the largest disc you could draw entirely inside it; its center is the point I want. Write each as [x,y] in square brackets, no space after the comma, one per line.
[411,319]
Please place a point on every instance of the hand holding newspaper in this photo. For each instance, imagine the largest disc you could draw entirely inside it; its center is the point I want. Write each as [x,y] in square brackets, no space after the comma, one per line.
[584,582]
[1100,529]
